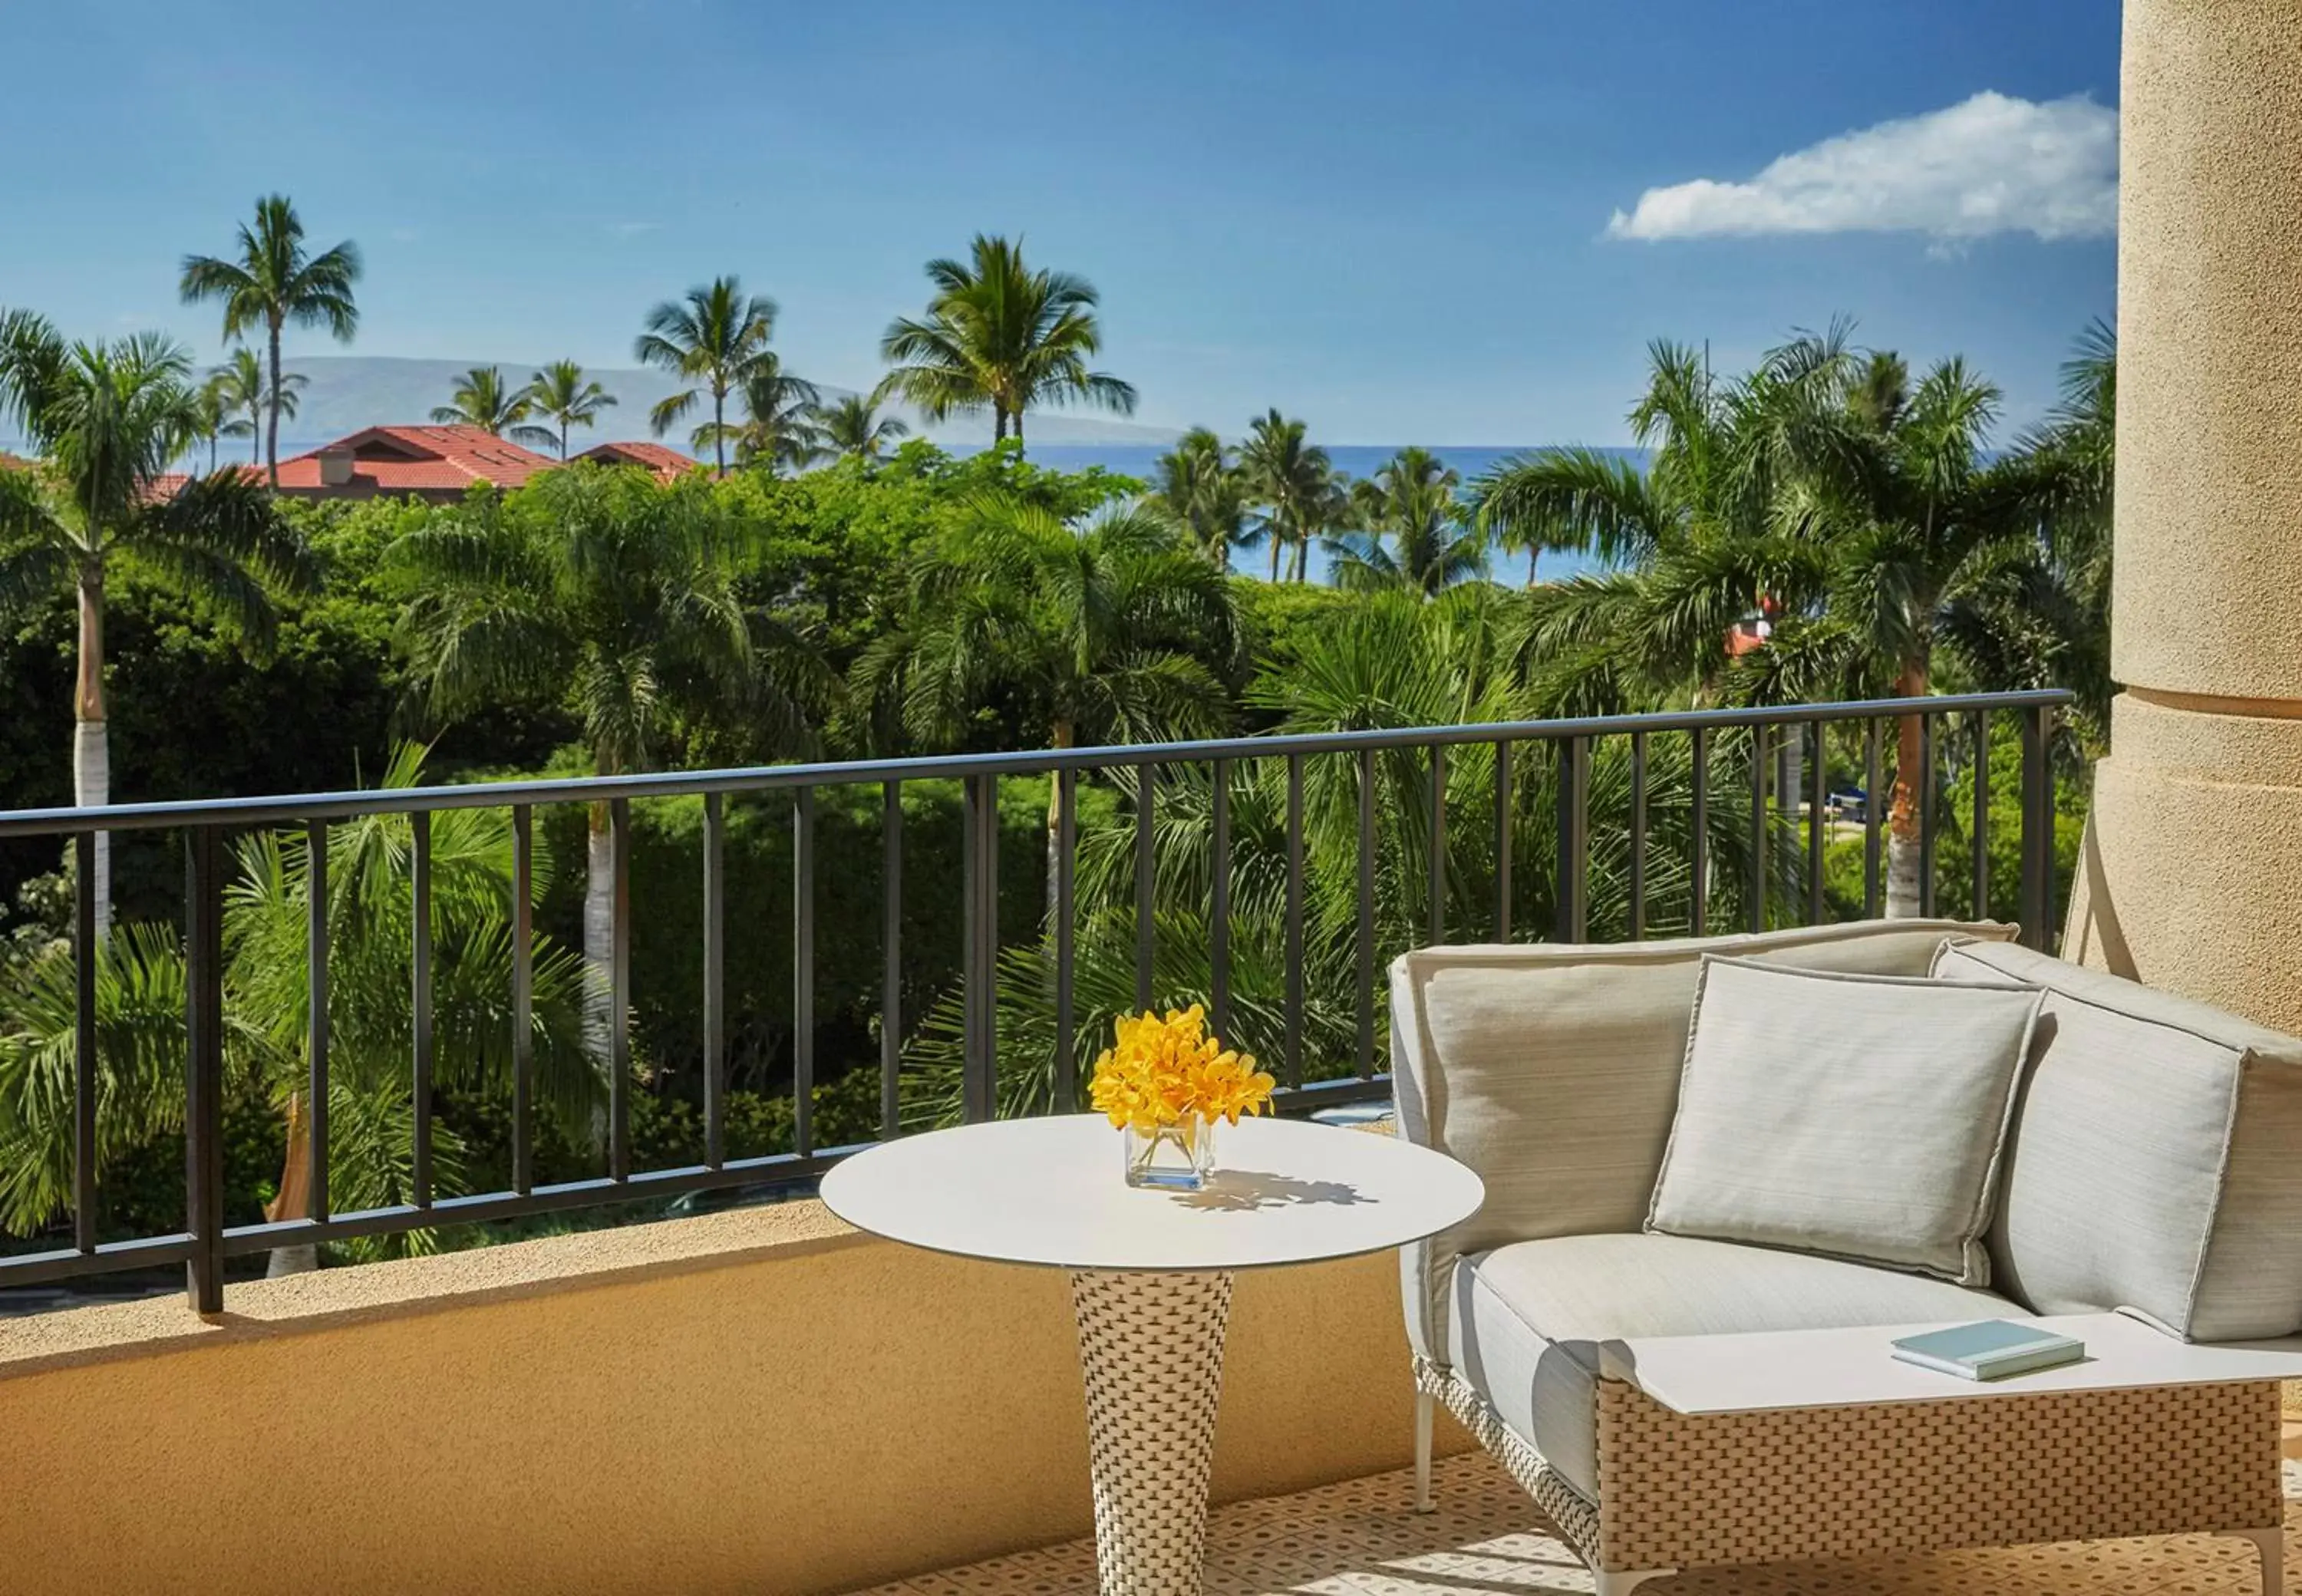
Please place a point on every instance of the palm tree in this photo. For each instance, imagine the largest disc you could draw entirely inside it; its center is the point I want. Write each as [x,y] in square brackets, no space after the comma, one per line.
[714,337]
[2058,478]
[1913,524]
[1000,335]
[270,282]
[602,593]
[140,993]
[560,393]
[1411,501]
[210,417]
[241,388]
[483,400]
[1201,491]
[855,430]
[1823,481]
[109,420]
[1115,631]
[778,427]
[1293,484]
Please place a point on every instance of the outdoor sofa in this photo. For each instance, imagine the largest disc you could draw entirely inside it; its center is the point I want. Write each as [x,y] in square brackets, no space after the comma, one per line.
[2149,1162]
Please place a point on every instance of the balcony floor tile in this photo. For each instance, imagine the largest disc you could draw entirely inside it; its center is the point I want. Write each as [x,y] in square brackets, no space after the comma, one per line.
[1362,1538]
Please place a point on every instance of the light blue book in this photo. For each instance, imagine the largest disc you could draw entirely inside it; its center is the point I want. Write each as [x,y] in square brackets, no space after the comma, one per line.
[1991,1349]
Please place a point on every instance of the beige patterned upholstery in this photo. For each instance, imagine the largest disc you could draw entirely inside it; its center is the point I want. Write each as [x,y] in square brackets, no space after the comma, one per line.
[1552,1070]
[2153,1161]
[1527,1319]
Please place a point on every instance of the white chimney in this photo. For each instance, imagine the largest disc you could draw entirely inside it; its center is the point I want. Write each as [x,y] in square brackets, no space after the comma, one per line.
[336,467]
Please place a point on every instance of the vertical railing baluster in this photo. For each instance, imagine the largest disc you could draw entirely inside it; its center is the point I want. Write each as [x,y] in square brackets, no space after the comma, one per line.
[1437,868]
[1927,815]
[1218,908]
[204,1068]
[1572,879]
[1638,836]
[1066,940]
[419,873]
[523,999]
[1145,883]
[85,955]
[804,971]
[891,957]
[316,966]
[1818,793]
[1502,841]
[1366,912]
[1760,746]
[981,952]
[1873,777]
[1294,919]
[1979,903]
[620,991]
[2038,830]
[1699,816]
[715,980]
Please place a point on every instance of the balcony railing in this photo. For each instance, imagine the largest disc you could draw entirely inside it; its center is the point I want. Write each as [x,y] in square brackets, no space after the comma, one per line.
[1757,738]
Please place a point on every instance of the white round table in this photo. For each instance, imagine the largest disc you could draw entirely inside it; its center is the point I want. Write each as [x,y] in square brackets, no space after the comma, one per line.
[1150,1275]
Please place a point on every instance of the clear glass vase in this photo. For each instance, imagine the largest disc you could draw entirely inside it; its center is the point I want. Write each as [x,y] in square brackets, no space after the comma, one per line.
[1171,1158]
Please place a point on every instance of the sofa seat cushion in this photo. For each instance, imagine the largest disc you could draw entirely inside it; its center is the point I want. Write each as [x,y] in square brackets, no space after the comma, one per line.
[1528,1318]
[2155,1161]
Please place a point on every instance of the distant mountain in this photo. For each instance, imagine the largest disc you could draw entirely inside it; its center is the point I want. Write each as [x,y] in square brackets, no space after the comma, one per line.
[347,392]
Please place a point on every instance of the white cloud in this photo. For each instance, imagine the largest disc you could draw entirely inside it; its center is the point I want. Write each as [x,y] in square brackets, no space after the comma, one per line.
[632,230]
[1989,165]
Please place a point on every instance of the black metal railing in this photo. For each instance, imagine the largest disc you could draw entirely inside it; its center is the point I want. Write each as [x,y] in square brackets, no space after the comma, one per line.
[1760,736]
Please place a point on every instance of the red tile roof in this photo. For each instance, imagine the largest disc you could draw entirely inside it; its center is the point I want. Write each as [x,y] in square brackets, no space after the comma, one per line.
[665,462]
[431,461]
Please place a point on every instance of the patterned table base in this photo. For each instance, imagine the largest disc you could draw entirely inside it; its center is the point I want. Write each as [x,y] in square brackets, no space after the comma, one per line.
[1151,1351]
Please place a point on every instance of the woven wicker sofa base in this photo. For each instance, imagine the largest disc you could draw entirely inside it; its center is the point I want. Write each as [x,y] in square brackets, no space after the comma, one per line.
[1691,1492]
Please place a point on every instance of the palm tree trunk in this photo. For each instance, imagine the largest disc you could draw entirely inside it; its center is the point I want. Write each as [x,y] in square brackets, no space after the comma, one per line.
[1277,543]
[1904,848]
[720,428]
[272,428]
[1532,554]
[91,741]
[1019,428]
[599,929]
[563,439]
[295,1199]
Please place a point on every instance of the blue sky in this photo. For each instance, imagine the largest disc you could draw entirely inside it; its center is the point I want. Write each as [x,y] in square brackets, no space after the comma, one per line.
[1391,219]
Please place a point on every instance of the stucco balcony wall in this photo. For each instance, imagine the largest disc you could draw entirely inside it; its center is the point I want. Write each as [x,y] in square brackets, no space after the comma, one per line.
[756,1402]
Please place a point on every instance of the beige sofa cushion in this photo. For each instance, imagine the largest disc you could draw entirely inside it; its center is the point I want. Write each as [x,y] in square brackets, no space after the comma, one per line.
[1529,1318]
[2155,1161]
[1858,1116]
[1552,1070]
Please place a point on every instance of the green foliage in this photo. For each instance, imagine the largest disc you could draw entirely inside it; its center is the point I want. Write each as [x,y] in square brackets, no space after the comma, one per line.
[597,619]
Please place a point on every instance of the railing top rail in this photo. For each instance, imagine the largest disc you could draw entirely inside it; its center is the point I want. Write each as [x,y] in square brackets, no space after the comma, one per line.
[681,783]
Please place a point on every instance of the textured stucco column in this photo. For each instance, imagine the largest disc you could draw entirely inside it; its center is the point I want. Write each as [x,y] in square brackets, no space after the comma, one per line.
[2193,875]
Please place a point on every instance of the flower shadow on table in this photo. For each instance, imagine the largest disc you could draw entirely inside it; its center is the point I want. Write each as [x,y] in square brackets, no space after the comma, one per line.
[1245,1191]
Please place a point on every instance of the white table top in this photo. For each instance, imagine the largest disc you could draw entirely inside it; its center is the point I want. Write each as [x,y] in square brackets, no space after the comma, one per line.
[1834,1368]
[1052,1191]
